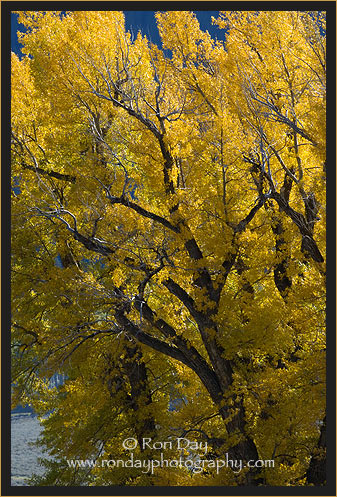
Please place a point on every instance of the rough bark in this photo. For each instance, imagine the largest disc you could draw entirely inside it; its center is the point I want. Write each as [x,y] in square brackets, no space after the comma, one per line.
[316,473]
[136,373]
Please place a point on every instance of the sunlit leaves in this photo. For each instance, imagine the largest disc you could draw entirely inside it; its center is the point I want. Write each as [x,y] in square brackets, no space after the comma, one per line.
[175,192]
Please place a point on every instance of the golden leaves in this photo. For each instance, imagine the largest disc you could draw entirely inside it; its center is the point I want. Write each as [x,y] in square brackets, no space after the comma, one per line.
[136,169]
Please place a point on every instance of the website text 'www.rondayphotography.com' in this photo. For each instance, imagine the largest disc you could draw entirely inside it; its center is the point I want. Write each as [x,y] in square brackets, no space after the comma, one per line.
[196,465]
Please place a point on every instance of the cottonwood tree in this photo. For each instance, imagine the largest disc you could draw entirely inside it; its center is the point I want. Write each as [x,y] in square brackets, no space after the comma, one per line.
[168,232]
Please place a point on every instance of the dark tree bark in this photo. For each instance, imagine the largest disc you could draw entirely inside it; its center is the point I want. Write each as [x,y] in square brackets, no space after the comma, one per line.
[316,473]
[136,373]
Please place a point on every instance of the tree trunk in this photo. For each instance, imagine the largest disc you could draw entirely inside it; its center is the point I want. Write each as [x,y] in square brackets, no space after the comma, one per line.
[316,473]
[136,373]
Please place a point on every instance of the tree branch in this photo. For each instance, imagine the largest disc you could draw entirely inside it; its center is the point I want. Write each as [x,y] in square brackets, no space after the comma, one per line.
[308,243]
[91,243]
[143,212]
[183,296]
[52,174]
[149,340]
[241,226]
[189,356]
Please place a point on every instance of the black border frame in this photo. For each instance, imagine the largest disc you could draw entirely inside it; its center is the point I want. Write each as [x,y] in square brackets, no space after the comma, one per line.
[330,7]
